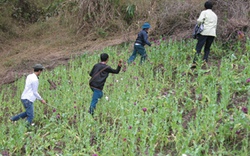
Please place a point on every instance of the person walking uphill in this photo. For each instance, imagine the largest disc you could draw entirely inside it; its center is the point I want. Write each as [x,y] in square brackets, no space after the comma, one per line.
[30,94]
[99,74]
[206,37]
[140,42]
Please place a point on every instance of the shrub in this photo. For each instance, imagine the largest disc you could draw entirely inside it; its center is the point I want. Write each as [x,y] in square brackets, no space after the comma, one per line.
[177,19]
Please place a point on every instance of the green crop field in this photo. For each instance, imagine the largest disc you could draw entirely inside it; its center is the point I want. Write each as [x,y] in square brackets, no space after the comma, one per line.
[162,107]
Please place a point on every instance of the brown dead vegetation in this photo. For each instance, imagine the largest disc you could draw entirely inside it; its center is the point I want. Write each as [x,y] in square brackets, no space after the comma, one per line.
[176,19]
[82,26]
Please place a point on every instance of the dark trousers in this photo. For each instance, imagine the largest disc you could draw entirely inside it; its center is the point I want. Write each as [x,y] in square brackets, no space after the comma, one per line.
[138,49]
[203,40]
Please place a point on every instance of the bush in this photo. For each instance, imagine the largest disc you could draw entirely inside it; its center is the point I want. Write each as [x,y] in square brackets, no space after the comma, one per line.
[177,18]
[233,18]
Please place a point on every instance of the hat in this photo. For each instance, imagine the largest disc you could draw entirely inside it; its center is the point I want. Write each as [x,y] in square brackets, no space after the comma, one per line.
[38,66]
[146,25]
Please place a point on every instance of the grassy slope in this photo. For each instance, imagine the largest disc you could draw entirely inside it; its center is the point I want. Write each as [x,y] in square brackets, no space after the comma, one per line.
[188,104]
[196,112]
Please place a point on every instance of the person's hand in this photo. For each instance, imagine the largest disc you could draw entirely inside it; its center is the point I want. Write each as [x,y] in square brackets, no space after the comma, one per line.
[43,101]
[120,63]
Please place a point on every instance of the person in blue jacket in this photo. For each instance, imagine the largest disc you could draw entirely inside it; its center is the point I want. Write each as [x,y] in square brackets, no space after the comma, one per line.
[140,42]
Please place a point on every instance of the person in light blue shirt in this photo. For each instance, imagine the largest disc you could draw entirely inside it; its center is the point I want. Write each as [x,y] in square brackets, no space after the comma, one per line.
[30,94]
[141,41]
[206,37]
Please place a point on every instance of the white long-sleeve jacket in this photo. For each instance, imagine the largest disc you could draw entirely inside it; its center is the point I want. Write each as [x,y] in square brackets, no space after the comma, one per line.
[31,88]
[209,19]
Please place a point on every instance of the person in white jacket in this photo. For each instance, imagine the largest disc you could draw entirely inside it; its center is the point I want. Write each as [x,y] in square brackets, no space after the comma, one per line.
[206,37]
[30,94]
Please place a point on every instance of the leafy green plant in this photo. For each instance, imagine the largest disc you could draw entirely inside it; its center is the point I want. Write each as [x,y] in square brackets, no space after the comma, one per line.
[130,13]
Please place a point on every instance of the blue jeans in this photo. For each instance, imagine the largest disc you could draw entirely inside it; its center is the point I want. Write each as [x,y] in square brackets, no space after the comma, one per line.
[203,40]
[29,113]
[138,49]
[97,94]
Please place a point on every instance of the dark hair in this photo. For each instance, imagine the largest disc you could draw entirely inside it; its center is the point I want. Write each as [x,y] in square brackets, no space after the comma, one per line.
[208,5]
[37,69]
[104,57]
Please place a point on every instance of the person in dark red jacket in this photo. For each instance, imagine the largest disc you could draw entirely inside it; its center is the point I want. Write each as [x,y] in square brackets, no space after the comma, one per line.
[99,74]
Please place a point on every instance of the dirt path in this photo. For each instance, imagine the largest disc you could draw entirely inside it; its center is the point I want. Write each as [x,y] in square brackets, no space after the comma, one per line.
[17,57]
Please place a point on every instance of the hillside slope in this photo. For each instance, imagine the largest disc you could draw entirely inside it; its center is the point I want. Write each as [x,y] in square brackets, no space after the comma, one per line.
[68,28]
[18,56]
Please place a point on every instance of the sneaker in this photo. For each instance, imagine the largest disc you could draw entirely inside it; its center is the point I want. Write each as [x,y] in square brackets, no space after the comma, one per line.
[27,133]
[193,65]
[10,119]
[204,63]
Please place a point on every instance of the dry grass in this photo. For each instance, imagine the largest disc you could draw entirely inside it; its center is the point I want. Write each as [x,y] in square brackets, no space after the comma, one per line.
[50,44]
[177,18]
[105,18]
[87,25]
[233,17]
